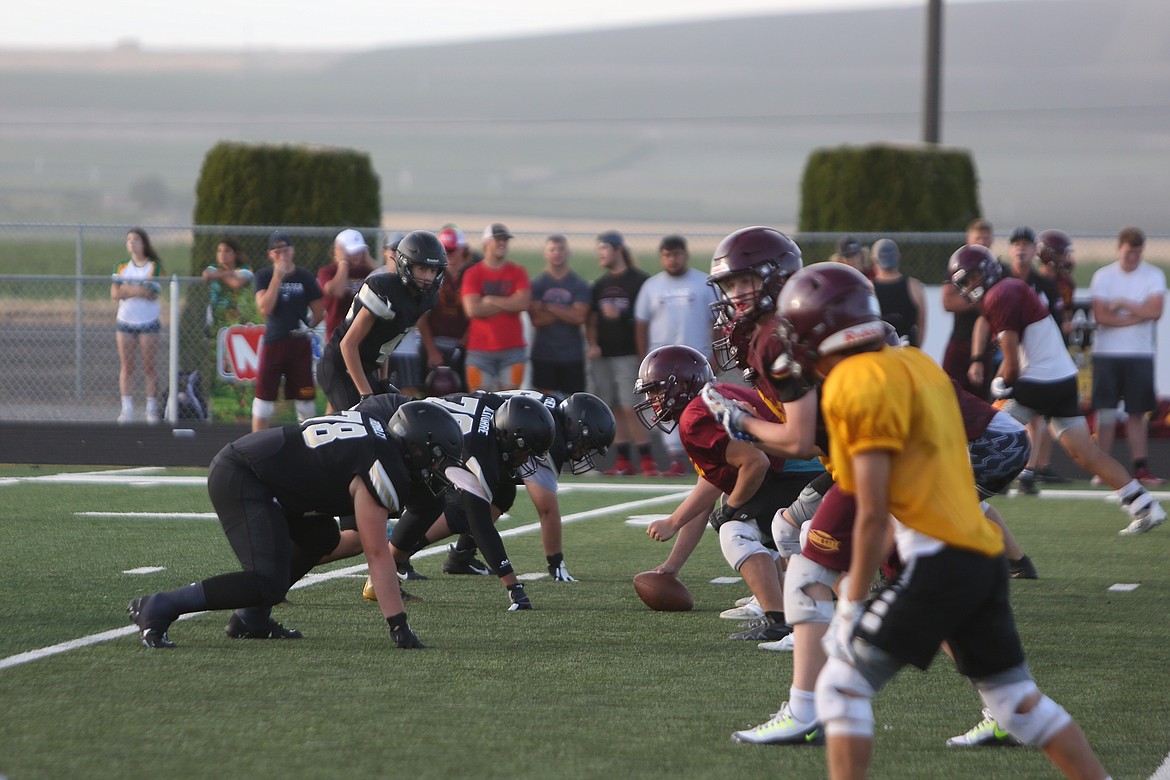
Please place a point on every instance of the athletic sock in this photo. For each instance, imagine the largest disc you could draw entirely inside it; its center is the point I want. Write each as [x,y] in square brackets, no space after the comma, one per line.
[644,450]
[1131,491]
[555,560]
[127,403]
[464,543]
[802,704]
[774,616]
[171,604]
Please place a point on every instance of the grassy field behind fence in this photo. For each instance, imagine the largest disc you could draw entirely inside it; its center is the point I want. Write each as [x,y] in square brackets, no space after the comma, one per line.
[588,685]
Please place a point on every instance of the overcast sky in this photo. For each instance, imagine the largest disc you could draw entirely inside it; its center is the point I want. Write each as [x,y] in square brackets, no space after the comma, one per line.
[356,24]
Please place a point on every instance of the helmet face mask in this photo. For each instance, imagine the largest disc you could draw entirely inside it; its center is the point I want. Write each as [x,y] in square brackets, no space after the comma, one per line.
[431,442]
[524,430]
[590,428]
[670,377]
[420,249]
[731,348]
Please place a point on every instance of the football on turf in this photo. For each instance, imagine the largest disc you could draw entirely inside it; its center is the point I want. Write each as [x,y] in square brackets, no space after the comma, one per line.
[663,592]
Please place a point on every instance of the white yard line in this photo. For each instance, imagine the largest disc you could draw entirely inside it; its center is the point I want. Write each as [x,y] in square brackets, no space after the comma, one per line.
[313,579]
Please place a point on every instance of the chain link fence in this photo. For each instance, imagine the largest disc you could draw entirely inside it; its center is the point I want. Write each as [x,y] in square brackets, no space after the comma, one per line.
[58,351]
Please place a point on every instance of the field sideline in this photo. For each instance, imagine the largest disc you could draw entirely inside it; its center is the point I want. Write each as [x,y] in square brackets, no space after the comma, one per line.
[590,684]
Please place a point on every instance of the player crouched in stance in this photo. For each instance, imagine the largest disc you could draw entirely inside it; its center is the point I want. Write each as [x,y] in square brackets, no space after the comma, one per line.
[1039,378]
[585,429]
[503,440]
[277,492]
[753,485]
[897,443]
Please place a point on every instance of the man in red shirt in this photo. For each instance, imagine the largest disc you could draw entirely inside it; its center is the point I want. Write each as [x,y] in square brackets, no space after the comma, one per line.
[495,291]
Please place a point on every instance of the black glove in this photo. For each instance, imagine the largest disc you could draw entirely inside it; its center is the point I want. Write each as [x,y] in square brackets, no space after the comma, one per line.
[721,514]
[519,598]
[401,634]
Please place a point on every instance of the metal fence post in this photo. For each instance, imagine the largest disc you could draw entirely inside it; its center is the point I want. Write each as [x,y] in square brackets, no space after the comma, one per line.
[79,311]
[173,371]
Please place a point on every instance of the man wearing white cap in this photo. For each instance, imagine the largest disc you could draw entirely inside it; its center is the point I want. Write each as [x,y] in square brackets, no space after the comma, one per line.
[341,279]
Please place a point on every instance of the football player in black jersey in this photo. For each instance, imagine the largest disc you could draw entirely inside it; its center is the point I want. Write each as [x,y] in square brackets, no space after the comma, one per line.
[585,428]
[277,492]
[386,307]
[503,439]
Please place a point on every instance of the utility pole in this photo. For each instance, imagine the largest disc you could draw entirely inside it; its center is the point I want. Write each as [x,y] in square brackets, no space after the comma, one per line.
[931,132]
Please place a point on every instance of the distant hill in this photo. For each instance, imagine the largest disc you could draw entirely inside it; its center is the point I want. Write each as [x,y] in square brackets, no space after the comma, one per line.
[1064,104]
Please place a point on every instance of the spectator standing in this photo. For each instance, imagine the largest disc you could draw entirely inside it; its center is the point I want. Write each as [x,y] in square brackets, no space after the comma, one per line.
[227,301]
[495,292]
[851,253]
[612,349]
[1128,297]
[674,307]
[958,357]
[560,305]
[341,279]
[290,299]
[902,298]
[390,251]
[135,287]
[443,329]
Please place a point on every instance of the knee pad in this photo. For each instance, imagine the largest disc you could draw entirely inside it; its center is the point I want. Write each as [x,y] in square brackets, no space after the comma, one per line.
[263,409]
[805,506]
[740,541]
[844,700]
[785,534]
[1036,726]
[799,607]
[305,410]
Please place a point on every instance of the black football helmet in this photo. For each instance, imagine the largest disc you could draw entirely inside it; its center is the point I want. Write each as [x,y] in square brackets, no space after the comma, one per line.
[826,308]
[974,271]
[590,428]
[1055,249]
[762,251]
[420,248]
[525,430]
[671,377]
[431,442]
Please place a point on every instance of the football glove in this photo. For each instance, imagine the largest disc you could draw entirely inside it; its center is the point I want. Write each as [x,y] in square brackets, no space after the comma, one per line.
[838,640]
[729,413]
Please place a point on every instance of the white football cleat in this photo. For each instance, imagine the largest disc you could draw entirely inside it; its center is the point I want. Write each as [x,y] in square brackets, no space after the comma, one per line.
[785,645]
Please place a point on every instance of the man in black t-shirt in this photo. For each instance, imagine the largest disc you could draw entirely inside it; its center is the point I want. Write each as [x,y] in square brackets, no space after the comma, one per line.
[290,300]
[612,350]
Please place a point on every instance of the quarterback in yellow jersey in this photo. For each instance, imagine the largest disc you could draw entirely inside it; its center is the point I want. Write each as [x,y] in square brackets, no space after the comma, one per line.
[898,445]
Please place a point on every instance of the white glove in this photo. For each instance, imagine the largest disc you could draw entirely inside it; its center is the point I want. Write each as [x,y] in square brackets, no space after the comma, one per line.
[1000,388]
[729,413]
[838,640]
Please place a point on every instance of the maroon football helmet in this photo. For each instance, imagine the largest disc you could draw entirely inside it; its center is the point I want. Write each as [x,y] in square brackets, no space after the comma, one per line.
[442,380]
[974,270]
[827,308]
[671,377]
[1055,249]
[767,253]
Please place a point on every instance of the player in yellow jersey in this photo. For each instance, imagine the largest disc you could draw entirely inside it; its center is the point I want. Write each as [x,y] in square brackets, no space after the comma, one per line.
[897,442]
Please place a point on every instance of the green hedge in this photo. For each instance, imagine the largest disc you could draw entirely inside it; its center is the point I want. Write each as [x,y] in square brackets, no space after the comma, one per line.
[885,188]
